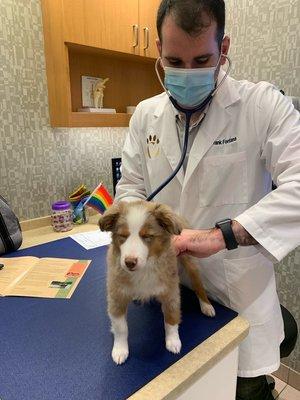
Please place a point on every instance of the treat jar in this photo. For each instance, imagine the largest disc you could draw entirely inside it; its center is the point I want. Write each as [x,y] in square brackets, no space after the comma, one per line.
[62,216]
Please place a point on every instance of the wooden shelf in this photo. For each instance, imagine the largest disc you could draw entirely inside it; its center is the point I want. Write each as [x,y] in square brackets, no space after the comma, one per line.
[83,119]
[131,79]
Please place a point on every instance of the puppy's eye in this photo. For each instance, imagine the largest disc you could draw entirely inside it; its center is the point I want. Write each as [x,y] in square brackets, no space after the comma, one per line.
[122,236]
[147,238]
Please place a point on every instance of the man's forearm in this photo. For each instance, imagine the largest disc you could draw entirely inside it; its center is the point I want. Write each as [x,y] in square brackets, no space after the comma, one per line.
[241,235]
[206,242]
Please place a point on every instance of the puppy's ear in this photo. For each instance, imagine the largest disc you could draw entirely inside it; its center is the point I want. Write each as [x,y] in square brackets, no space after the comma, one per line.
[167,219]
[108,220]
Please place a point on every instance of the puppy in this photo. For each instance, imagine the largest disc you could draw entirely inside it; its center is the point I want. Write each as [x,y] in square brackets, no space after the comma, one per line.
[142,264]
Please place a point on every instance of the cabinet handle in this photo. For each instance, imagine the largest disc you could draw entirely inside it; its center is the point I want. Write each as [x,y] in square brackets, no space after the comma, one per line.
[135,35]
[146,38]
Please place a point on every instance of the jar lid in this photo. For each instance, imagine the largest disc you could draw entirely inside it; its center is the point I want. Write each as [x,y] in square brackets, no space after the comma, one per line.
[61,205]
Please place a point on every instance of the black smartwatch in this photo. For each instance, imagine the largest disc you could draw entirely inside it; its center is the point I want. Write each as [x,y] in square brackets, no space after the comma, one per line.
[229,238]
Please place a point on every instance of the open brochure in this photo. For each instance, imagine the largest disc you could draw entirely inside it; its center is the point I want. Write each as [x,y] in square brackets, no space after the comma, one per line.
[40,277]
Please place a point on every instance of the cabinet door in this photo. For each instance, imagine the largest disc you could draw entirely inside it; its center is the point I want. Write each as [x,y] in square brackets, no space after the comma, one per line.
[107,24]
[147,27]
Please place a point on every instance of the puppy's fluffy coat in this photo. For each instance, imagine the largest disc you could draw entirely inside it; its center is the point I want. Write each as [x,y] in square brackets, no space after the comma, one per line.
[142,264]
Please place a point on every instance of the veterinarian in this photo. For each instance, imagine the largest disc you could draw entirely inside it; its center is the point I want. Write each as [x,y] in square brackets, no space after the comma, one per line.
[247,136]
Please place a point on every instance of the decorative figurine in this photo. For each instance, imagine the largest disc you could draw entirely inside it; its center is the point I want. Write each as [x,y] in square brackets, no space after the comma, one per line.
[98,94]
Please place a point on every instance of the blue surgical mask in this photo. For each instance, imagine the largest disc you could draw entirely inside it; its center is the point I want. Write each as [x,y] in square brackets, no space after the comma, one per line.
[190,87]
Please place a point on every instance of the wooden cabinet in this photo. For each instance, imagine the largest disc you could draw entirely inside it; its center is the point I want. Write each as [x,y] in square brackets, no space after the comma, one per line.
[128,26]
[106,24]
[147,27]
[104,38]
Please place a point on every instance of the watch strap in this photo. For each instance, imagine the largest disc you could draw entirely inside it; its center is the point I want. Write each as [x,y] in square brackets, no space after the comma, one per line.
[229,238]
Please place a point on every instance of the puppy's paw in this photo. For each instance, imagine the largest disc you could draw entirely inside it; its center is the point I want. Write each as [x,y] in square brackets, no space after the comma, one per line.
[173,345]
[207,309]
[120,354]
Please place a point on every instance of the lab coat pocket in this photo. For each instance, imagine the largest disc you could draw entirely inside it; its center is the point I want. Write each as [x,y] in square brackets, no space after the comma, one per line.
[223,180]
[252,288]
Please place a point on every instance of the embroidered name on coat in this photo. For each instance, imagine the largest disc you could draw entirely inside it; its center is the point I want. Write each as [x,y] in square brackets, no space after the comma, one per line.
[225,141]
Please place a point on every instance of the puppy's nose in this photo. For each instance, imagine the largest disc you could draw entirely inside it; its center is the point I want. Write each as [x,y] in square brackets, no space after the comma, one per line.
[130,262]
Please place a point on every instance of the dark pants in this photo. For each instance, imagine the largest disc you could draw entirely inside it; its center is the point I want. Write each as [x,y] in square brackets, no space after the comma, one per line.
[253,389]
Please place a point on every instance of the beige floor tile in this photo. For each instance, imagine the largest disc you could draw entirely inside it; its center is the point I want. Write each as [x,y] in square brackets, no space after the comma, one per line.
[279,385]
[294,379]
[282,373]
[289,393]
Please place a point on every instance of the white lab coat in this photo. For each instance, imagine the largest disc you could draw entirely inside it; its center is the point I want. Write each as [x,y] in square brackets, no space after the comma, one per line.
[250,134]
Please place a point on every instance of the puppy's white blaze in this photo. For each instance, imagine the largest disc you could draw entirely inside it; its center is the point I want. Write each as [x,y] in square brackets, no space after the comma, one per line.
[146,284]
[134,245]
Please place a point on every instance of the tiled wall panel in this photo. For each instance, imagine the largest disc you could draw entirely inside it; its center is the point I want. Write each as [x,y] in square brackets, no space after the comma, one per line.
[265,41]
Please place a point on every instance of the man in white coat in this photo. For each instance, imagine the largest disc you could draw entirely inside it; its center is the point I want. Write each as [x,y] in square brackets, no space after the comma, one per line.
[246,137]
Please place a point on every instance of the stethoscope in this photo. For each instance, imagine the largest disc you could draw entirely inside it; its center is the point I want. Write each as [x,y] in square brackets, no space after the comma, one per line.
[188,112]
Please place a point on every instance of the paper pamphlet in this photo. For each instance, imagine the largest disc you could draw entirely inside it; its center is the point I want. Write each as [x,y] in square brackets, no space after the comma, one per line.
[93,239]
[41,277]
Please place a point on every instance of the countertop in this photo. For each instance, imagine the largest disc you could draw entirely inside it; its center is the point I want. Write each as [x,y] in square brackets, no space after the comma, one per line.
[180,375]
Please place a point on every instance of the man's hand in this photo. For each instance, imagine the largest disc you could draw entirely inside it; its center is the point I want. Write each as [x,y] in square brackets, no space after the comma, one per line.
[206,242]
[199,243]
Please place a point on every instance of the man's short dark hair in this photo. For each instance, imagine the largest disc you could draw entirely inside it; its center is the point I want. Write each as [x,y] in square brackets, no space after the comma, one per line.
[193,16]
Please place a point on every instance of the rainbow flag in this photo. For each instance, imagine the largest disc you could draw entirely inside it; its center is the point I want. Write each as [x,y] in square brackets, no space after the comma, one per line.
[100,200]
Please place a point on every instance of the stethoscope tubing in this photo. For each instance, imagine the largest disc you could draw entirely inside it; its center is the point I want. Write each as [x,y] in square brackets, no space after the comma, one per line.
[188,115]
[188,112]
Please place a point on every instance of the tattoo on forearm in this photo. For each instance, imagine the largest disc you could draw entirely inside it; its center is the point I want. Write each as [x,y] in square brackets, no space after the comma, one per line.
[200,237]
[242,236]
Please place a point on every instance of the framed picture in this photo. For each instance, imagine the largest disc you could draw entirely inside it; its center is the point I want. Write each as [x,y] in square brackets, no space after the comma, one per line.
[87,84]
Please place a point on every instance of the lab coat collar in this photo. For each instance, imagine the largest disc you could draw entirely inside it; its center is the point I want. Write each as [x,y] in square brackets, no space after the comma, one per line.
[227,94]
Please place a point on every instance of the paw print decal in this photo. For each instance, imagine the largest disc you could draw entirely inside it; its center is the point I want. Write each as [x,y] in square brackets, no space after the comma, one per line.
[153,146]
